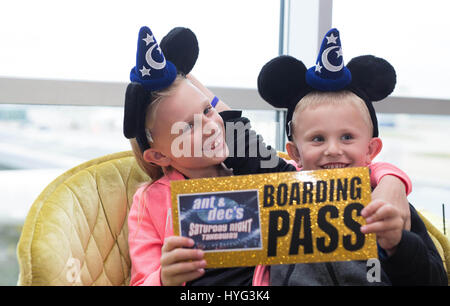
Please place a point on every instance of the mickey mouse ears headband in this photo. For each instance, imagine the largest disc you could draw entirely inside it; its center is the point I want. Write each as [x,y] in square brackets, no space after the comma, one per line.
[284,80]
[156,68]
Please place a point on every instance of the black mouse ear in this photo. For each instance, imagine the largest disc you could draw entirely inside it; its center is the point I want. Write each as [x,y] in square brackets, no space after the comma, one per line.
[373,77]
[281,81]
[180,46]
[135,104]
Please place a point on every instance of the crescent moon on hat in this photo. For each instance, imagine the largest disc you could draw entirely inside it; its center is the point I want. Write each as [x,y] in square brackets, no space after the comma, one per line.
[154,64]
[327,64]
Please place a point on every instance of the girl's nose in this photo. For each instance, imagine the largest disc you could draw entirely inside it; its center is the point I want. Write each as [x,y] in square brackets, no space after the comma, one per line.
[210,127]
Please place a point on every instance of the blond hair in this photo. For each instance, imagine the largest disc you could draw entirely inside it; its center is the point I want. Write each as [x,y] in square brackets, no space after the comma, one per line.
[154,171]
[157,97]
[345,97]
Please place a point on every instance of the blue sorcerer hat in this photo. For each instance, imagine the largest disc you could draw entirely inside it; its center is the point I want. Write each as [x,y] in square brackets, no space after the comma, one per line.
[284,80]
[154,72]
[329,73]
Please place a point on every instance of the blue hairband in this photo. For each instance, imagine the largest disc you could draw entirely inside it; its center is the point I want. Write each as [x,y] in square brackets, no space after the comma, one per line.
[214,101]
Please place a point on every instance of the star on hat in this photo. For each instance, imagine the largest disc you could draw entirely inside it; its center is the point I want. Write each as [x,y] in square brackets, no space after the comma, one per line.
[145,71]
[148,39]
[318,68]
[331,39]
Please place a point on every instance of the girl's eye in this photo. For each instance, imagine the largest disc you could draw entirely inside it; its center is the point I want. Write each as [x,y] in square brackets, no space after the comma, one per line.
[207,110]
[318,139]
[347,137]
[188,127]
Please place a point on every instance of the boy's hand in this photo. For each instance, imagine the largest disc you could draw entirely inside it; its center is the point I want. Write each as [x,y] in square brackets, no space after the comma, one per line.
[180,264]
[386,222]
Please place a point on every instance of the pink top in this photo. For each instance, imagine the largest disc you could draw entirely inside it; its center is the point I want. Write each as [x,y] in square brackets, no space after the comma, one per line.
[150,222]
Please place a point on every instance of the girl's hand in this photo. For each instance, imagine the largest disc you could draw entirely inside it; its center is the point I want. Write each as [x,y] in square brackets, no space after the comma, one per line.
[385,220]
[180,264]
[392,190]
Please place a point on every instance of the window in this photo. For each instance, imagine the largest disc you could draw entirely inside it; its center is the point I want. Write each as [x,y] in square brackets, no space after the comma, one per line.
[412,36]
[414,143]
[37,144]
[96,40]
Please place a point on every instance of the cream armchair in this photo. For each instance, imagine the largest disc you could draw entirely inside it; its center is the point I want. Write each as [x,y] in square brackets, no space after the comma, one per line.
[76,231]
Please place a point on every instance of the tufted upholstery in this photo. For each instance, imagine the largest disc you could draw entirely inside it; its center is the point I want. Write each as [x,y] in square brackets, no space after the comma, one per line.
[76,230]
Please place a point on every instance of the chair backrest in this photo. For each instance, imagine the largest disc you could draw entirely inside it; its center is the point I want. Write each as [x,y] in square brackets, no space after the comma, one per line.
[76,231]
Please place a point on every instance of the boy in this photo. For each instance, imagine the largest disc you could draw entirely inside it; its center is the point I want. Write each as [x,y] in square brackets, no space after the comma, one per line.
[333,130]
[332,124]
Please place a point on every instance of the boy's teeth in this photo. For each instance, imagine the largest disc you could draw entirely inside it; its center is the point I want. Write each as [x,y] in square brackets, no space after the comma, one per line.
[334,166]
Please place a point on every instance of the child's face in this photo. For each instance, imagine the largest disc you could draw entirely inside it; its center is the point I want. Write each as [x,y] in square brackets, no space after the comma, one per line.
[332,136]
[188,133]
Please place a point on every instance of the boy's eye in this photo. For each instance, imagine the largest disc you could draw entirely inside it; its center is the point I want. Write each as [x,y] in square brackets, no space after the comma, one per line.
[347,137]
[317,139]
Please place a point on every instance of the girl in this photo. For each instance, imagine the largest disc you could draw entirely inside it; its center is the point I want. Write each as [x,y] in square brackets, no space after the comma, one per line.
[157,101]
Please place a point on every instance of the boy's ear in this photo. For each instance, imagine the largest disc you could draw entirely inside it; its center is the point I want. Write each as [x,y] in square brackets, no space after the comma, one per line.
[156,157]
[375,146]
[293,152]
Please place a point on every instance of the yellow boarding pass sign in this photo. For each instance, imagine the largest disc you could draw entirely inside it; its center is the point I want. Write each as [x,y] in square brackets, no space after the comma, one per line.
[277,218]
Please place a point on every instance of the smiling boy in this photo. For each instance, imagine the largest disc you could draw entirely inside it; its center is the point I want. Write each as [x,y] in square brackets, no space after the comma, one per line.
[331,123]
[332,130]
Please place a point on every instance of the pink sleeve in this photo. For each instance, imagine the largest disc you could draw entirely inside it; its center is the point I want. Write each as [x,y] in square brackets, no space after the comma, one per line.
[261,277]
[380,169]
[377,171]
[147,230]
